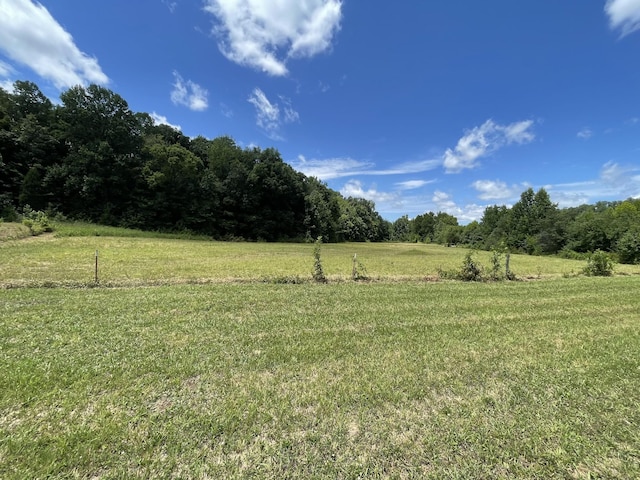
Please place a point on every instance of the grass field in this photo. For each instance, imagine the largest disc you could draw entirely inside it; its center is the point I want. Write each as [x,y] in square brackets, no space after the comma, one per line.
[131,259]
[160,378]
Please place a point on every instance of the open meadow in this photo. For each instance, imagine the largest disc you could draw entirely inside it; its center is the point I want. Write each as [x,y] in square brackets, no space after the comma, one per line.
[199,359]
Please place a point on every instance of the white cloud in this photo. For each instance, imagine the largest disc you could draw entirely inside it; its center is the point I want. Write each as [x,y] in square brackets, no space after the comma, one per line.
[7,85]
[623,15]
[614,182]
[170,5]
[162,120]
[412,184]
[266,34]
[226,110]
[329,168]
[189,94]
[466,214]
[443,201]
[623,179]
[490,189]
[268,114]
[354,188]
[290,115]
[567,199]
[326,169]
[29,35]
[484,140]
[412,167]
[5,69]
[585,134]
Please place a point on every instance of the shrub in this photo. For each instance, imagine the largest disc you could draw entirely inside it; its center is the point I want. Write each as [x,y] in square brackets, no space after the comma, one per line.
[37,221]
[318,272]
[471,269]
[599,265]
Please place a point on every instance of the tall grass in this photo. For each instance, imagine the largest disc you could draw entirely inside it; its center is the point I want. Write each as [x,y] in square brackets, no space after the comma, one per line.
[85,229]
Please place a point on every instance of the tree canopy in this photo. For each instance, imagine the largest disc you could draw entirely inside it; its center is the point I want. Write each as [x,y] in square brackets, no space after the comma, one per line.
[92,158]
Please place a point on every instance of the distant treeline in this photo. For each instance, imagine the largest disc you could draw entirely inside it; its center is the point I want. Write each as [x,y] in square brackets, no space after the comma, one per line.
[92,158]
[536,226]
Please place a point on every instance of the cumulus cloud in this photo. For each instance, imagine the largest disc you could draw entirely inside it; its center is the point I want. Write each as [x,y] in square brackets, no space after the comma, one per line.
[445,203]
[162,120]
[624,15]
[354,188]
[30,36]
[189,94]
[269,115]
[493,189]
[484,140]
[585,134]
[265,34]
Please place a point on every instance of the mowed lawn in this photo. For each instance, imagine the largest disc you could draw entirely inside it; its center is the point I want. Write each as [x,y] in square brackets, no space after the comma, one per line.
[389,379]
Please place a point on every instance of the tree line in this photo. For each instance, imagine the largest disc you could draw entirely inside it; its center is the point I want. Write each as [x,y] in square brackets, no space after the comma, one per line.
[92,158]
[536,226]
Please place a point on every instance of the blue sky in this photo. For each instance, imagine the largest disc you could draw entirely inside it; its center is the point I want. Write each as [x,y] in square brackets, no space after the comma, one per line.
[440,105]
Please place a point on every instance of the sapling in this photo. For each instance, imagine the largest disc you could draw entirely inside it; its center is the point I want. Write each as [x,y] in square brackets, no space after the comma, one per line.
[318,272]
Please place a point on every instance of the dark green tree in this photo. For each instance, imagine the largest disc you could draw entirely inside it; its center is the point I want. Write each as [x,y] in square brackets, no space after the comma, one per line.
[172,175]
[423,226]
[98,177]
[322,211]
[401,229]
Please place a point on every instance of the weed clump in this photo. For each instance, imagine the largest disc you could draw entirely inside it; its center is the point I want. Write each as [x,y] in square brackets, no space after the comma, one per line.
[358,270]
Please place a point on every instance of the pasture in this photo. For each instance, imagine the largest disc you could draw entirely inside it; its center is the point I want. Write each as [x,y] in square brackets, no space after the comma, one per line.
[194,359]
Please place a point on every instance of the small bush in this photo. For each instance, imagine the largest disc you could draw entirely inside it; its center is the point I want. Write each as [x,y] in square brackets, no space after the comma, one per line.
[471,269]
[318,272]
[37,221]
[599,265]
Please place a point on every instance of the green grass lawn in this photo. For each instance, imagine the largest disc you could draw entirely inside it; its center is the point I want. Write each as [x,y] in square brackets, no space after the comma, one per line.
[388,379]
[441,380]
